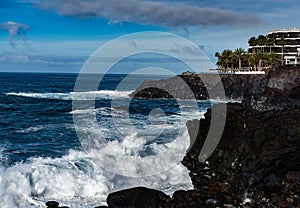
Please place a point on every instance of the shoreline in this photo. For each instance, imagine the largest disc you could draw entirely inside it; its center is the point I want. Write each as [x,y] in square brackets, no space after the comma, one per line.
[256,163]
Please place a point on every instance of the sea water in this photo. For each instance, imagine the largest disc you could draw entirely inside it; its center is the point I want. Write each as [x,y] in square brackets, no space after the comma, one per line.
[42,157]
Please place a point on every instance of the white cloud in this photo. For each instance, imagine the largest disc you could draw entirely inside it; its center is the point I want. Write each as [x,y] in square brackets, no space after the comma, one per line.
[148,12]
[15,30]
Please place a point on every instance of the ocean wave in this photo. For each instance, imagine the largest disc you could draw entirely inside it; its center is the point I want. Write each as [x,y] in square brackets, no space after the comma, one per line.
[80,178]
[105,111]
[214,101]
[90,95]
[31,129]
[84,111]
[57,96]
[103,93]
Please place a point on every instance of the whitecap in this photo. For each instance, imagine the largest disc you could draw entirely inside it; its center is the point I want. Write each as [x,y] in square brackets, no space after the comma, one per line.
[80,178]
[90,95]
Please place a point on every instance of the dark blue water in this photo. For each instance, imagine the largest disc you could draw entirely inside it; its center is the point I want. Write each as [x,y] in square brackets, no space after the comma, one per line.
[37,130]
[32,126]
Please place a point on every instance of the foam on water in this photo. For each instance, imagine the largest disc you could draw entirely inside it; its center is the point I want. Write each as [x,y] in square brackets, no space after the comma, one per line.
[83,179]
[58,96]
[74,95]
[101,110]
[121,157]
[31,129]
[215,101]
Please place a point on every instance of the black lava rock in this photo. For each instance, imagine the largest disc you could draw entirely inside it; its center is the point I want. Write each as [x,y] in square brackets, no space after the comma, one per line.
[139,197]
[258,155]
[278,89]
[52,204]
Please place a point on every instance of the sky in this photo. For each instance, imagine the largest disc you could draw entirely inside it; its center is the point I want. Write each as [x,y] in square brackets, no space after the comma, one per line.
[59,35]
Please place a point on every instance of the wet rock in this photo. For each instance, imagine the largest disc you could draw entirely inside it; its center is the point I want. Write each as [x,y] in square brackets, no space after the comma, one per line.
[52,204]
[211,201]
[261,160]
[137,197]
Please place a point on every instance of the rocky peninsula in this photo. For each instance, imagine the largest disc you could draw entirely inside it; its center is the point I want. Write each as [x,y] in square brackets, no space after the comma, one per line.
[249,88]
[257,161]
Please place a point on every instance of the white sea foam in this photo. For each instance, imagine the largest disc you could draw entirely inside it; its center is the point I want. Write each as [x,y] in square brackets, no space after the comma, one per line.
[214,101]
[84,179]
[90,95]
[83,111]
[31,129]
[101,110]
[58,96]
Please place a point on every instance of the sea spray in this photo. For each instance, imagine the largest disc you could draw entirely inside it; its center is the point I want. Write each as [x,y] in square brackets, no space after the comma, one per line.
[82,177]
[70,95]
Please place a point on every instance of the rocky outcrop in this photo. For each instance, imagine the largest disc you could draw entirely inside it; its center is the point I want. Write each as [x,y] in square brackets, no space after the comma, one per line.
[281,90]
[277,89]
[257,161]
[234,85]
[255,156]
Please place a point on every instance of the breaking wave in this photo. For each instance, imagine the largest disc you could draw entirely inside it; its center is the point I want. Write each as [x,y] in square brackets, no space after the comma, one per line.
[81,178]
[74,95]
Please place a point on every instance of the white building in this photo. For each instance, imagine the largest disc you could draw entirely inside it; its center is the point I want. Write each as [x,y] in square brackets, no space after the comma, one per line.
[292,44]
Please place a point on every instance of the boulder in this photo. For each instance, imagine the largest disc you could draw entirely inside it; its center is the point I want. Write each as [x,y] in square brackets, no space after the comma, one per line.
[139,197]
[52,204]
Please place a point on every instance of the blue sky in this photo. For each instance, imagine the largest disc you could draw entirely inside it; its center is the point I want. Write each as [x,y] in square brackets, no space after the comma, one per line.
[58,35]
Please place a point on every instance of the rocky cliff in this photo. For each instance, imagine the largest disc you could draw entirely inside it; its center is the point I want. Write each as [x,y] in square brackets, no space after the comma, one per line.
[277,89]
[256,156]
[257,161]
[280,89]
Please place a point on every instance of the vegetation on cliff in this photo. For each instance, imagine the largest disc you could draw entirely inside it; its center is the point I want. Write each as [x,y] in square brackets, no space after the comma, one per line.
[256,59]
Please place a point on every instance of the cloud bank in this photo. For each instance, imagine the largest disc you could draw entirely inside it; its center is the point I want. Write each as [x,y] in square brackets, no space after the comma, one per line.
[14,30]
[148,12]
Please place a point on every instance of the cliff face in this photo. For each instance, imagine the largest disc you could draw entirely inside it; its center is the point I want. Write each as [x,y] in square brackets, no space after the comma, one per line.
[258,156]
[234,86]
[257,151]
[278,89]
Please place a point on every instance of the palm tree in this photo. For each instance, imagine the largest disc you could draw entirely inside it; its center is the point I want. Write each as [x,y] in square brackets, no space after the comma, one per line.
[218,55]
[252,60]
[270,42]
[239,53]
[221,62]
[260,56]
[273,58]
[262,41]
[253,42]
[225,59]
[227,55]
[282,42]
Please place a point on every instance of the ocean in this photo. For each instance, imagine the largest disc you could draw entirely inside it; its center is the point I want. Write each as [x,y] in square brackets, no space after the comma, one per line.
[46,155]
